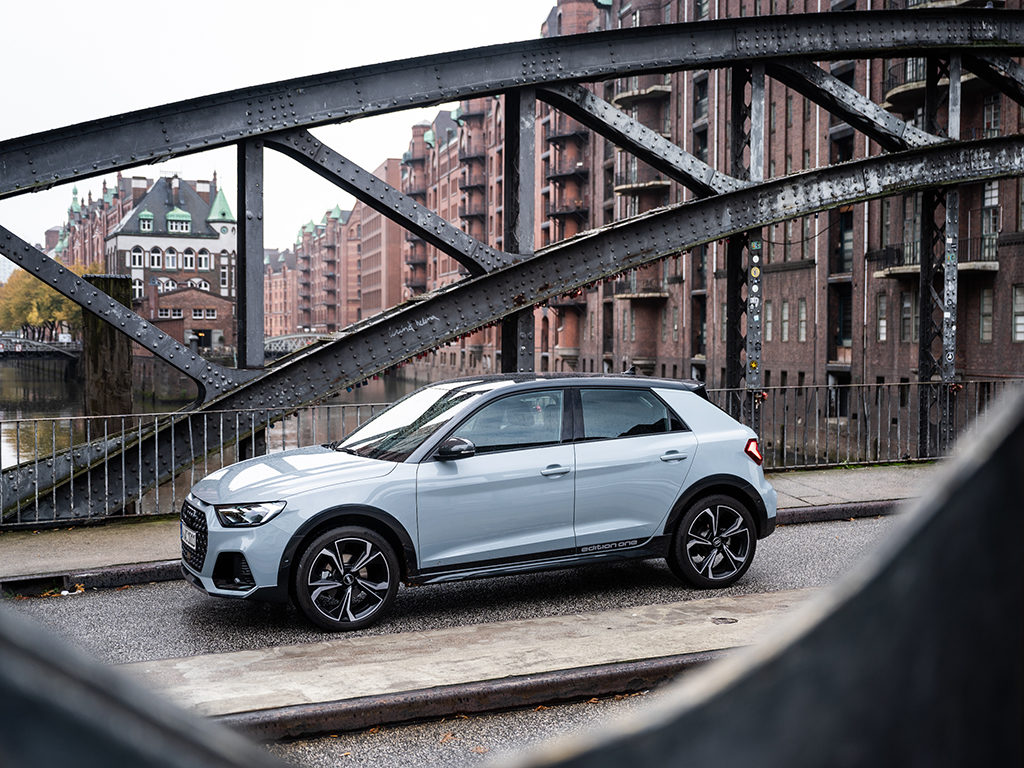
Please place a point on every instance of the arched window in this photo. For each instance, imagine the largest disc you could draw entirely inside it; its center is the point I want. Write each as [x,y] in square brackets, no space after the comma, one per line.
[196,282]
[188,259]
[137,288]
[138,257]
[156,258]
[204,259]
[171,259]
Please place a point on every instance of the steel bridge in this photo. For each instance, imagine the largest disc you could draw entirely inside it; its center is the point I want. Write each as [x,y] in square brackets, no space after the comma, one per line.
[503,286]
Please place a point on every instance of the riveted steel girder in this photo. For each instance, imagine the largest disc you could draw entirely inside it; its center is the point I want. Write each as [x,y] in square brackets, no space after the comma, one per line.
[211,378]
[1000,71]
[383,341]
[151,135]
[632,135]
[837,97]
[304,147]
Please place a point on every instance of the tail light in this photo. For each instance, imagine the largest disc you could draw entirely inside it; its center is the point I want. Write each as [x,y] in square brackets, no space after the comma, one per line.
[753,450]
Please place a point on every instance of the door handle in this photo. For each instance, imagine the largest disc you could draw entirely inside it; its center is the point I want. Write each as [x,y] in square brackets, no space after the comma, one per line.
[673,456]
[555,470]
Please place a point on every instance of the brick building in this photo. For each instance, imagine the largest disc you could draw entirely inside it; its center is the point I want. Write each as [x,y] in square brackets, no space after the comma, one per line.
[840,288]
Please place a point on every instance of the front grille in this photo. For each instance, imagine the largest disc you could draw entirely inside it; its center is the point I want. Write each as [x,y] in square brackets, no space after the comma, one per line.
[196,520]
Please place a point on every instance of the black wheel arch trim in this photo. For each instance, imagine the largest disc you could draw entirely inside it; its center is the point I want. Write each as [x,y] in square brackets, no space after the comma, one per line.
[350,514]
[730,485]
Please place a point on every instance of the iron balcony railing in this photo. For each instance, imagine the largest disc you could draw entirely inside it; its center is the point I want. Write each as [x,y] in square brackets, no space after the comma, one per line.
[799,427]
[969,251]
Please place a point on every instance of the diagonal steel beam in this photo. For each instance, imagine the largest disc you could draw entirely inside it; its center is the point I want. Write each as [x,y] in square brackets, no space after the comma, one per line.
[1000,71]
[632,135]
[308,150]
[841,100]
[212,379]
[147,136]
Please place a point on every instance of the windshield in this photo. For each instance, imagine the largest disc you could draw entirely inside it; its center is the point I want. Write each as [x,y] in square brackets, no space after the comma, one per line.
[395,433]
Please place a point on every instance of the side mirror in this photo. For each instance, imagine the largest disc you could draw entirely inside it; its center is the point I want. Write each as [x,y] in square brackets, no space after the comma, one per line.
[455,448]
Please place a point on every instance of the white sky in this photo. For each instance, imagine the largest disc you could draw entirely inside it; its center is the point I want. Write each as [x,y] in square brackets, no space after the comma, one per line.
[65,62]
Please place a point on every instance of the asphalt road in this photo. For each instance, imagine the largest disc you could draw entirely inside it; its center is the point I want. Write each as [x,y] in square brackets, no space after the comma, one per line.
[171,619]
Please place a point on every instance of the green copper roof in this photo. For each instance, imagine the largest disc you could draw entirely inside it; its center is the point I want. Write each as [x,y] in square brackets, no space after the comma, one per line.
[145,214]
[428,137]
[337,213]
[220,210]
[310,227]
[75,205]
[176,214]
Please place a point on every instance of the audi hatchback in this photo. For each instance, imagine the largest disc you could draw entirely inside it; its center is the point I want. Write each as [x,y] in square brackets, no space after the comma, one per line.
[485,477]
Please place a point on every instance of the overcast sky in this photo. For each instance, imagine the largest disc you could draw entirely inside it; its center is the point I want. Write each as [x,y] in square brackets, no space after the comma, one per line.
[66,62]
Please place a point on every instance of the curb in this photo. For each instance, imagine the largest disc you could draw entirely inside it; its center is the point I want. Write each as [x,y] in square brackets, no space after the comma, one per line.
[577,684]
[102,577]
[105,577]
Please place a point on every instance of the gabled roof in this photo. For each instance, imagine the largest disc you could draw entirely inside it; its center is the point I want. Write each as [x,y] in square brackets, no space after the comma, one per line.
[161,204]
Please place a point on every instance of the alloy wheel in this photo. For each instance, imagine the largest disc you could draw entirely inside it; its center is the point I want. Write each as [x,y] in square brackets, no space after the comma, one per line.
[718,542]
[349,580]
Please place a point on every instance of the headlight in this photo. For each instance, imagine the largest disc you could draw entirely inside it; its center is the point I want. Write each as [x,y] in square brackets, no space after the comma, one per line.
[247,515]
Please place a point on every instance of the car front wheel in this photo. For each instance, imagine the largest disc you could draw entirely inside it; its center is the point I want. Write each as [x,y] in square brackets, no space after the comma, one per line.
[346,579]
[714,543]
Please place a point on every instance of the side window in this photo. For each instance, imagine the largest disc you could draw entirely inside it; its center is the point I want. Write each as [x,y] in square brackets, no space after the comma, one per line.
[610,413]
[527,420]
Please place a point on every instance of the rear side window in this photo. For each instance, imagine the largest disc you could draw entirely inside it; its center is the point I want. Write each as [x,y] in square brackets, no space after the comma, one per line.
[610,413]
[527,420]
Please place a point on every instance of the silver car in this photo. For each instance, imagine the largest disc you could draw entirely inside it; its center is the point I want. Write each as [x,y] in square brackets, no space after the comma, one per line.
[484,477]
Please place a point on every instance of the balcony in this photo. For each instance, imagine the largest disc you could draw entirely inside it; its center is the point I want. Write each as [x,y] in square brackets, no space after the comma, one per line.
[330,258]
[409,158]
[473,181]
[416,190]
[567,208]
[415,259]
[412,237]
[565,130]
[473,211]
[630,90]
[568,169]
[472,152]
[635,184]
[416,283]
[640,290]
[975,254]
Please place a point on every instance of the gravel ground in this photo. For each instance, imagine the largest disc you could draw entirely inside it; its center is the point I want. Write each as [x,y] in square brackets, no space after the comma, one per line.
[462,741]
[171,619]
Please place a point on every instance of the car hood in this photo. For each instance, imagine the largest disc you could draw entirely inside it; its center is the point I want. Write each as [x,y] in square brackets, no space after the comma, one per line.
[286,474]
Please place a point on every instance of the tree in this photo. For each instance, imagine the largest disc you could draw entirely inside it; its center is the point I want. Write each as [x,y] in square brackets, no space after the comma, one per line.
[37,310]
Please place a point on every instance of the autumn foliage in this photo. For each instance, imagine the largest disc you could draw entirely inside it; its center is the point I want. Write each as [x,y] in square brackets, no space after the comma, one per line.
[36,310]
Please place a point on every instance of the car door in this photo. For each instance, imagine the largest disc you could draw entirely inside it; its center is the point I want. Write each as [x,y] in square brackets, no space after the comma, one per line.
[631,463]
[513,499]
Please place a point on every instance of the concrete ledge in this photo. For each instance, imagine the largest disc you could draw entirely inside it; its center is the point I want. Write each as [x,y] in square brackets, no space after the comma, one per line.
[830,512]
[464,698]
[111,576]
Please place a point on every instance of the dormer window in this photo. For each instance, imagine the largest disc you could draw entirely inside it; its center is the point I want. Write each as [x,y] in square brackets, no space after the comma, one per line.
[179,221]
[145,221]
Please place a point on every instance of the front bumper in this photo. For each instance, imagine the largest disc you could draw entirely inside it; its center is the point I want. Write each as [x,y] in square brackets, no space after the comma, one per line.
[230,562]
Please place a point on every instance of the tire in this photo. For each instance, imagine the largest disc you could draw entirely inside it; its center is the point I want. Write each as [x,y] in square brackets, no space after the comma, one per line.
[714,543]
[347,579]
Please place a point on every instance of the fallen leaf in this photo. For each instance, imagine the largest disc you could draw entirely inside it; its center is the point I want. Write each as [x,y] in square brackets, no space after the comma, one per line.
[541,708]
[375,729]
[126,586]
[480,750]
[448,737]
[594,700]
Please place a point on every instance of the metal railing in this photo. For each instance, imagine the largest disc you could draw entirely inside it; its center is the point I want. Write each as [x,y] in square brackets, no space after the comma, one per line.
[800,427]
[38,445]
[827,426]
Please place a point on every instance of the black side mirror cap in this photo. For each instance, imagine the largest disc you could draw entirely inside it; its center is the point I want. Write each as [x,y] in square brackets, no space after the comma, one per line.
[456,448]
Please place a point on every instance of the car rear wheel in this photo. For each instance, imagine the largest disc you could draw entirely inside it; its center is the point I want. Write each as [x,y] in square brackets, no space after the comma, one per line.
[714,543]
[347,579]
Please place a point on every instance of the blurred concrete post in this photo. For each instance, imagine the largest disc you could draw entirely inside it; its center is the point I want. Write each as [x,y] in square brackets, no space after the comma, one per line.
[107,353]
